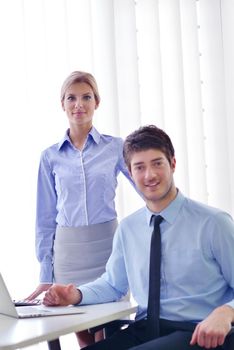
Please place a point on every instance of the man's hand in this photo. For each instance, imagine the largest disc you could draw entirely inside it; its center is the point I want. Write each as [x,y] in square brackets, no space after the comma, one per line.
[61,294]
[211,332]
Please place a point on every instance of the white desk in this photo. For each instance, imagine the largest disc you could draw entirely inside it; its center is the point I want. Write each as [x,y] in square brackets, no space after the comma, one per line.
[15,333]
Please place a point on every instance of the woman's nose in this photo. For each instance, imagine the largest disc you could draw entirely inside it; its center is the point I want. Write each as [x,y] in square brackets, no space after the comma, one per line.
[78,103]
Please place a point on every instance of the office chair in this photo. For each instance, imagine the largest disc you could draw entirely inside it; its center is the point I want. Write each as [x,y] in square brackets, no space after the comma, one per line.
[230,340]
[111,327]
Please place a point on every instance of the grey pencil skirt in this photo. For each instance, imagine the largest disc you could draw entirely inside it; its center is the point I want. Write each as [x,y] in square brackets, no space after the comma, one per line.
[81,253]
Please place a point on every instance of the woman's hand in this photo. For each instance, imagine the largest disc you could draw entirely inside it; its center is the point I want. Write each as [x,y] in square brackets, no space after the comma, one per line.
[43,287]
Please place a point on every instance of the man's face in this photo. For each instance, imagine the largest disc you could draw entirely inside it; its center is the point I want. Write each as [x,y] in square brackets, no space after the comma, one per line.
[153,176]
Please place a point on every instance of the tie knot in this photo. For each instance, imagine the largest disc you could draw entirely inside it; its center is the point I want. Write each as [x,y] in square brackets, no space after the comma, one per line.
[157,220]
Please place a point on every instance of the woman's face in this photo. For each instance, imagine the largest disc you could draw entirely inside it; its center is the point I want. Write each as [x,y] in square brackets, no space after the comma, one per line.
[79,103]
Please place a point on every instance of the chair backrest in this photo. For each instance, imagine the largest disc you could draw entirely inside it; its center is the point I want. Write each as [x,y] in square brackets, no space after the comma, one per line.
[229,343]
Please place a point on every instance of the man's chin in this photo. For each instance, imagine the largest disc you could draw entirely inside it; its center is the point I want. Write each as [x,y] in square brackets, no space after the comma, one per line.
[152,197]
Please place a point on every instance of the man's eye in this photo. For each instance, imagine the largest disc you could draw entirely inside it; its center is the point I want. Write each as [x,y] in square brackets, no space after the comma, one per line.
[159,164]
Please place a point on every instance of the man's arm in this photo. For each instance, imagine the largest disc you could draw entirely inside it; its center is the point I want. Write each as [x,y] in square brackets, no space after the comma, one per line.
[63,295]
[211,332]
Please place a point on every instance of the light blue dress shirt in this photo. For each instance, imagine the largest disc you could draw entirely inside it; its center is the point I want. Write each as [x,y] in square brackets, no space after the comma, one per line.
[75,188]
[197,264]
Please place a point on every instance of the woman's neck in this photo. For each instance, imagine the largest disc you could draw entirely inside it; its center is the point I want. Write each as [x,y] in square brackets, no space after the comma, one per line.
[78,136]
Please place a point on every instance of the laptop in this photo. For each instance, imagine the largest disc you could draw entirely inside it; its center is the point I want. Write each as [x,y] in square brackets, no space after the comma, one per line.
[8,308]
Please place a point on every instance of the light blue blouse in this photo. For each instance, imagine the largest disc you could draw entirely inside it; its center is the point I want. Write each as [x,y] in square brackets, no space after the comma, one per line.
[75,188]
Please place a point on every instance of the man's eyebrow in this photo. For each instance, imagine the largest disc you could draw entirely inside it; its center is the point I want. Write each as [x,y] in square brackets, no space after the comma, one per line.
[152,160]
[156,159]
[138,163]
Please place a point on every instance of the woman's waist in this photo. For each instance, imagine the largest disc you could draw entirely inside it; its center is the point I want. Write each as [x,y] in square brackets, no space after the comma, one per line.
[99,231]
[79,217]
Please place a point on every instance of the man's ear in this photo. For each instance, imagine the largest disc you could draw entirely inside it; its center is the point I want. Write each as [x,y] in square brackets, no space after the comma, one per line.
[173,164]
[129,170]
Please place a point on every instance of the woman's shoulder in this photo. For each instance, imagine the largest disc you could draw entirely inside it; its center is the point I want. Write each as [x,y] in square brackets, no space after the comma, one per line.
[50,152]
[51,148]
[112,137]
[106,138]
[114,141]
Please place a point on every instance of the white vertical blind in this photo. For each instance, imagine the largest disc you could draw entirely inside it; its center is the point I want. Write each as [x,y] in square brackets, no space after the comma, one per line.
[168,62]
[196,175]
[227,21]
[173,87]
[104,64]
[213,103]
[126,66]
[149,62]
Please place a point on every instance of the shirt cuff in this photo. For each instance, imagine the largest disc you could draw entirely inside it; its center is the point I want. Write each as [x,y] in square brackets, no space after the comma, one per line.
[46,273]
[231,303]
[88,296]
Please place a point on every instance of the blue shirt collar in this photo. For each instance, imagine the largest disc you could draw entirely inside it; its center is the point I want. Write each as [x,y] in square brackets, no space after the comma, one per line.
[170,212]
[93,133]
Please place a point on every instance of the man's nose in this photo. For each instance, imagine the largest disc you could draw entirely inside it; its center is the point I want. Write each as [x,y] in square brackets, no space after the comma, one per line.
[149,173]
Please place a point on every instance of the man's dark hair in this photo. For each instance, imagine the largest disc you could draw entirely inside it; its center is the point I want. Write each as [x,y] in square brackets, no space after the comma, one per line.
[145,138]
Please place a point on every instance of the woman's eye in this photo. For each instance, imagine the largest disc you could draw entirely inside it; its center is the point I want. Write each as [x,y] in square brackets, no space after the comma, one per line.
[87,97]
[71,98]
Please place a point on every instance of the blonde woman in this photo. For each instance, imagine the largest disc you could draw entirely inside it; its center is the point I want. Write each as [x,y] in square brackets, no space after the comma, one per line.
[77,179]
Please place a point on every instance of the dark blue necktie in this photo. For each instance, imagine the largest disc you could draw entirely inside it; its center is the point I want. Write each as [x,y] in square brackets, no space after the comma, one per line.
[153,310]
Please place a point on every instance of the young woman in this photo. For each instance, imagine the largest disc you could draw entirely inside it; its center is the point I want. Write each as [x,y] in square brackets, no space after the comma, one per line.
[76,216]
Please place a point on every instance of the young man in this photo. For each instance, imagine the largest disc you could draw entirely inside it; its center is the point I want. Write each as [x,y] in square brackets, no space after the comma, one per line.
[197,274]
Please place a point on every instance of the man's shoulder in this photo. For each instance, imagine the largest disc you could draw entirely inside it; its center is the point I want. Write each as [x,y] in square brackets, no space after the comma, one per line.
[202,207]
[203,210]
[134,217]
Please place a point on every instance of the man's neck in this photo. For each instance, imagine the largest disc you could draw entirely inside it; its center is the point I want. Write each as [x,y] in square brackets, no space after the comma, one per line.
[158,205]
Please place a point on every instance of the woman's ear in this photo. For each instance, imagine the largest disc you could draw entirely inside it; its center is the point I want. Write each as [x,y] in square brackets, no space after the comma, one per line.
[62,104]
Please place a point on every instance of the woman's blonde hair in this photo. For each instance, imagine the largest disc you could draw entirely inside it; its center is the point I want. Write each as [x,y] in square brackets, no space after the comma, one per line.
[80,77]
